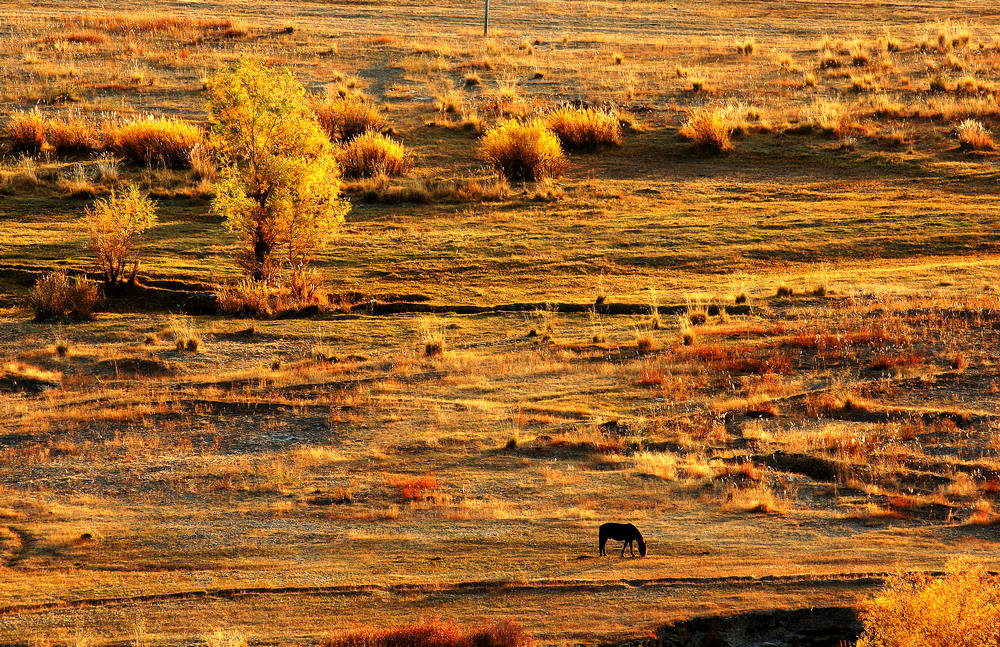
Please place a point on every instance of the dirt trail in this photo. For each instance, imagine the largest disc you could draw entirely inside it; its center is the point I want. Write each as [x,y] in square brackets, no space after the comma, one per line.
[471,587]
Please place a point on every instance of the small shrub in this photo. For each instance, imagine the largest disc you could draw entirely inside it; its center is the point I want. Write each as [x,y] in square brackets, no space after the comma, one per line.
[432,337]
[828,59]
[521,150]
[185,337]
[784,291]
[585,129]
[115,225]
[644,341]
[26,132]
[959,609]
[371,154]
[58,296]
[417,488]
[973,135]
[746,47]
[939,83]
[344,118]
[710,128]
[153,140]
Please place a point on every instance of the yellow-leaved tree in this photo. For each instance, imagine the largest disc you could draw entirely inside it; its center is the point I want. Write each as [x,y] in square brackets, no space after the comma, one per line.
[279,186]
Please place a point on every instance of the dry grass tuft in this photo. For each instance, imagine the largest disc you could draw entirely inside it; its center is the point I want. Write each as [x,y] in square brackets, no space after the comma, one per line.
[371,154]
[417,488]
[521,150]
[184,335]
[245,298]
[56,295]
[973,135]
[710,128]
[73,135]
[746,47]
[25,131]
[585,129]
[153,140]
[759,499]
[344,118]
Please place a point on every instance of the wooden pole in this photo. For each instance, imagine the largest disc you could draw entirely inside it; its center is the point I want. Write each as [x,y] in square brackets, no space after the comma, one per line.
[486,18]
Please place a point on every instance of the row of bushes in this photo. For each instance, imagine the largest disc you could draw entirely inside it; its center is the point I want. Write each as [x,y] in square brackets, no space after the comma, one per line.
[518,150]
[174,143]
[141,140]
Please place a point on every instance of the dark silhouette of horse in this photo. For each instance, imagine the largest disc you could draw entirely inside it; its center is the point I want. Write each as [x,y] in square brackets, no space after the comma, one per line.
[621,532]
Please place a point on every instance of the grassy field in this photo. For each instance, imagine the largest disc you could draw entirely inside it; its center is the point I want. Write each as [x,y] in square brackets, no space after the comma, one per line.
[789,383]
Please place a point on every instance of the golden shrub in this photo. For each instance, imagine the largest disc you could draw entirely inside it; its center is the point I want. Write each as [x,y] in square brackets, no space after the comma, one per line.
[344,118]
[585,129]
[73,135]
[710,128]
[521,150]
[959,609]
[25,131]
[153,140]
[57,295]
[973,135]
[371,154]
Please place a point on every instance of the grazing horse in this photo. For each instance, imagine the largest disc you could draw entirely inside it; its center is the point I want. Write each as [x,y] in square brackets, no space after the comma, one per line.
[621,532]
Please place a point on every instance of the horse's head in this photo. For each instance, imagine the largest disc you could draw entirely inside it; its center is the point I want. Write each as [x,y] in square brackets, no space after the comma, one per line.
[642,548]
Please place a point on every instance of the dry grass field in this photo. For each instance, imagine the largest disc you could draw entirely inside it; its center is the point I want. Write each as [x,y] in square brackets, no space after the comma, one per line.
[779,360]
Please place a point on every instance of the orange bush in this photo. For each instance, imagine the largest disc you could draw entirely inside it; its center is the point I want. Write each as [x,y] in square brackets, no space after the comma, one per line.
[417,488]
[434,634]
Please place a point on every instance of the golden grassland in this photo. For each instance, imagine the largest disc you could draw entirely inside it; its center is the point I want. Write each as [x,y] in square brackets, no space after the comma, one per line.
[163,476]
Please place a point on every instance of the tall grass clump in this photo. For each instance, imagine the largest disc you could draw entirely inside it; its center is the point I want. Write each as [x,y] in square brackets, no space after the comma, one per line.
[245,298]
[710,128]
[371,154]
[973,135]
[435,633]
[58,296]
[959,609]
[523,150]
[25,131]
[585,129]
[153,140]
[344,118]
[73,135]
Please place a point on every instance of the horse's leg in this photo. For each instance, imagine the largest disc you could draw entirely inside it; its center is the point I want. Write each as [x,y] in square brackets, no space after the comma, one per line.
[601,552]
[631,552]
[623,549]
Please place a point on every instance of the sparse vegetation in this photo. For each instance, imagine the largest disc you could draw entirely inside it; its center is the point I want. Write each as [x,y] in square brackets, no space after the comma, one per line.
[446,389]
